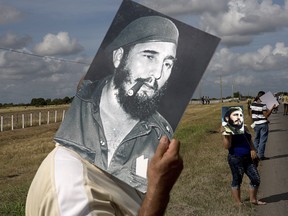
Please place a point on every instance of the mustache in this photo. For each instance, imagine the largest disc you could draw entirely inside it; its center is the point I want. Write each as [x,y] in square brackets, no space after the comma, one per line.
[238,121]
[139,83]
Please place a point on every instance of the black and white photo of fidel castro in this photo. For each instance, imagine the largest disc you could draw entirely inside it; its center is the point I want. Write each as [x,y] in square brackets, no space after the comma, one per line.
[113,122]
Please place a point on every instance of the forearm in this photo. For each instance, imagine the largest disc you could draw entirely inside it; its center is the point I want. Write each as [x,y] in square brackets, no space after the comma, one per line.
[163,171]
[268,113]
[252,146]
[154,203]
[227,141]
[250,115]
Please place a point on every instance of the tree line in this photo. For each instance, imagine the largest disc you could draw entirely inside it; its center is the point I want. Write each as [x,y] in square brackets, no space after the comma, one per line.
[42,102]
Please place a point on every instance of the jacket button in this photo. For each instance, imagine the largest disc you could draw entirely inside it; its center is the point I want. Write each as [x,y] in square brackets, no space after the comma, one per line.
[167,129]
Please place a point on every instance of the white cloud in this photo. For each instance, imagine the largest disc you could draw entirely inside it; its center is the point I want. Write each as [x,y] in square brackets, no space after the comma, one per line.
[182,7]
[9,14]
[235,21]
[26,68]
[280,49]
[60,44]
[268,58]
[2,59]
[16,66]
[24,77]
[245,18]
[236,40]
[14,41]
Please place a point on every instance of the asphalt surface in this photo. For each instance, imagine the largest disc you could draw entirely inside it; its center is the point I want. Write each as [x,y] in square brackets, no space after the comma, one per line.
[274,172]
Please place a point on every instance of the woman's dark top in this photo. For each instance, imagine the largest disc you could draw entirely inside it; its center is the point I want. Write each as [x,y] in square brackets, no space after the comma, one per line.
[240,144]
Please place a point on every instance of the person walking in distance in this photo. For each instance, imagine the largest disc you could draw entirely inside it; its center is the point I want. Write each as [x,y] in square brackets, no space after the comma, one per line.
[285,103]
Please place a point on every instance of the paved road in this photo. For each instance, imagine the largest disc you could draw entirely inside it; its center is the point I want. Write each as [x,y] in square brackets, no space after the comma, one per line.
[274,172]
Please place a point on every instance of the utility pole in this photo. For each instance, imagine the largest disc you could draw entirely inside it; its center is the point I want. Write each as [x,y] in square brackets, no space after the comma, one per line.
[221,88]
[200,89]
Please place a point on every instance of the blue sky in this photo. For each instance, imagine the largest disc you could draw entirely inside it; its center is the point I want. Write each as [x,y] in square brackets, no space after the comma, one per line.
[252,54]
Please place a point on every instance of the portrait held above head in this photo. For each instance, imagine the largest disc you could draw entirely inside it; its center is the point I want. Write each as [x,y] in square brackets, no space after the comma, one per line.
[116,139]
[233,120]
[120,110]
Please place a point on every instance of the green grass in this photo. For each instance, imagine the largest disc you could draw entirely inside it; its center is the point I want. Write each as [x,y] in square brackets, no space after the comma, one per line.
[13,200]
[202,189]
[21,152]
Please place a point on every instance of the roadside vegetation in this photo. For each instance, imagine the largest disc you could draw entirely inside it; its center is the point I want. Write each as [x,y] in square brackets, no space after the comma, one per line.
[203,188]
[40,102]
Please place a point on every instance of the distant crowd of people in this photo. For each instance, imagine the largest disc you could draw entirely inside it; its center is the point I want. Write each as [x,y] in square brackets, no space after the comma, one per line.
[205,100]
[284,100]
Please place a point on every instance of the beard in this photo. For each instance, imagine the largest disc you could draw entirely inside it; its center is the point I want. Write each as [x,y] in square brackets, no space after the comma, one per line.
[236,126]
[138,106]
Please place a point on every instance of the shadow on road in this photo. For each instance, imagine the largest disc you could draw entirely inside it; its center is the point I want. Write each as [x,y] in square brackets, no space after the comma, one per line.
[277,130]
[279,156]
[275,198]
[272,123]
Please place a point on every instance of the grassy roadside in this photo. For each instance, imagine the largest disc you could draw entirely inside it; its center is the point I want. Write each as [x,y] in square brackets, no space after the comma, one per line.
[202,189]
[21,152]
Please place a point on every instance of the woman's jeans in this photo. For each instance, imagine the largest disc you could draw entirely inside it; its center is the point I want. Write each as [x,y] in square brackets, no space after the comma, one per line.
[261,137]
[240,166]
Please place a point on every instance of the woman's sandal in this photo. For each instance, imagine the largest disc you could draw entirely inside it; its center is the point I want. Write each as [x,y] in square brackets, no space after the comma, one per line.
[258,202]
